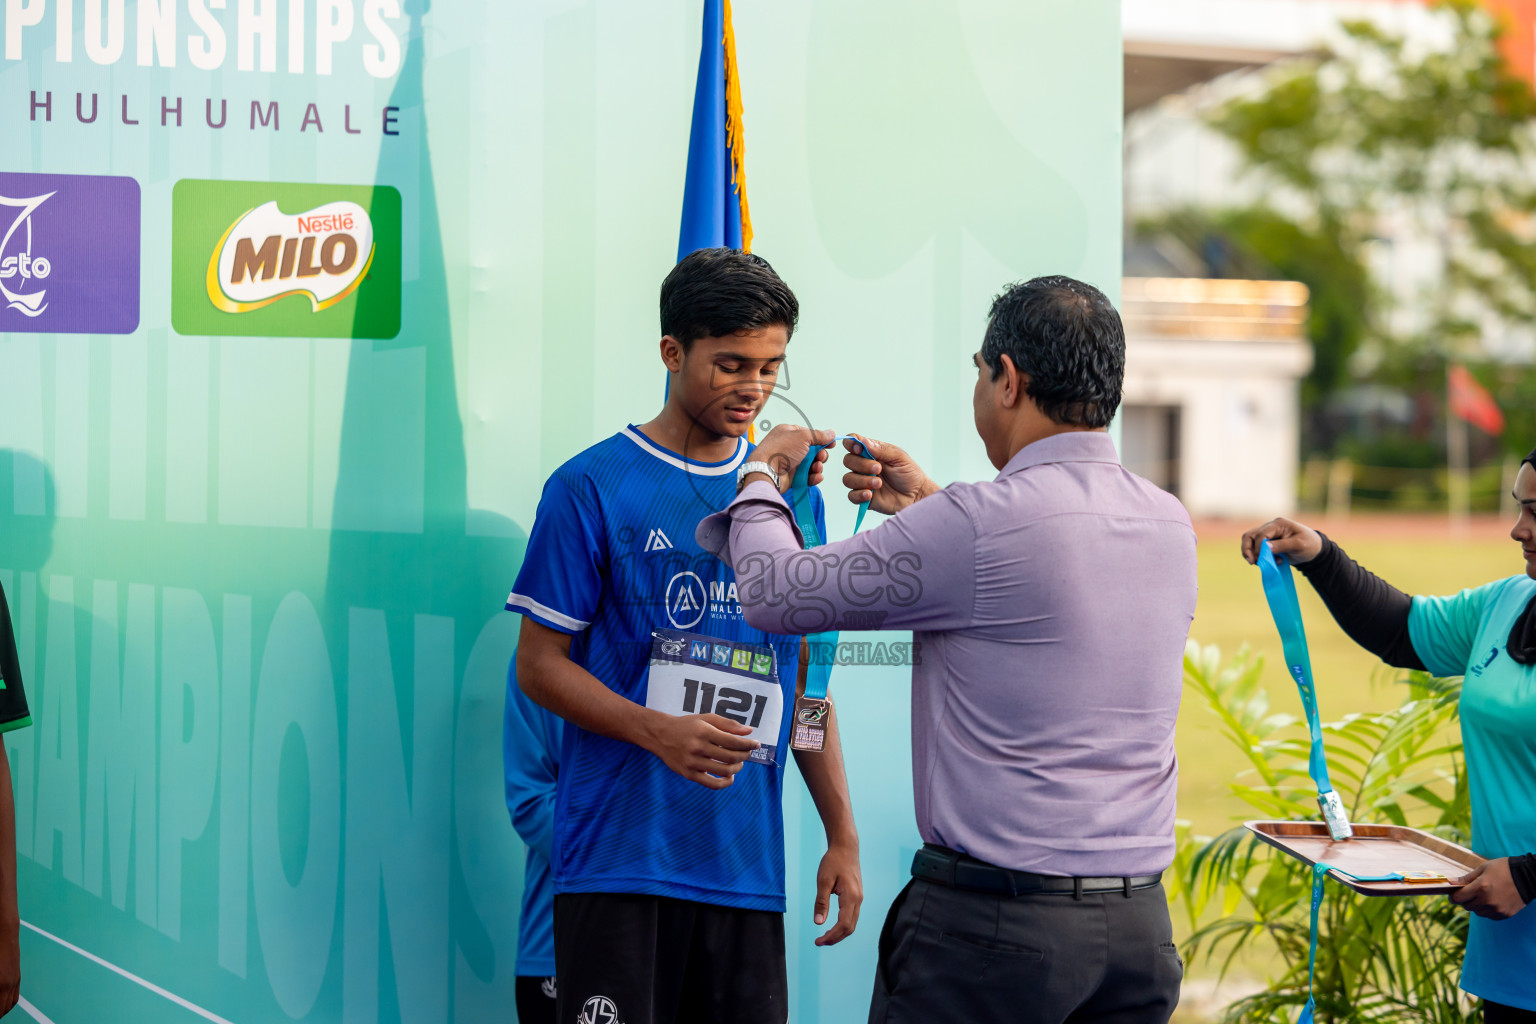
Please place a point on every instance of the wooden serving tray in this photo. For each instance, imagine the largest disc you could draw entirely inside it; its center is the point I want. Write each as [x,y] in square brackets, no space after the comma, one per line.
[1375,850]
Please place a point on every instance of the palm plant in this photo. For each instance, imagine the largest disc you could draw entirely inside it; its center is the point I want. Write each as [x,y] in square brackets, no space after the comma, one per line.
[1380,959]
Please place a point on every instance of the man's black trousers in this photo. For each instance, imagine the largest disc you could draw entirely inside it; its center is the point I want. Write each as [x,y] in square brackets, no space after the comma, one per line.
[956,955]
[624,959]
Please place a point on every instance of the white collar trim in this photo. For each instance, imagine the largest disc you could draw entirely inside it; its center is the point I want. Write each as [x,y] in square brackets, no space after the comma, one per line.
[687,465]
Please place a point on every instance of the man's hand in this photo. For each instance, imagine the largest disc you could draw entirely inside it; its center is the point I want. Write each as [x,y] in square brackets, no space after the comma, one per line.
[786,446]
[839,873]
[706,749]
[889,484]
[1297,541]
[1489,891]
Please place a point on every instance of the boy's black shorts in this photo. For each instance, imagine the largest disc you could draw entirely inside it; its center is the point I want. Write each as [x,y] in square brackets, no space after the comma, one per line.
[626,959]
[535,1000]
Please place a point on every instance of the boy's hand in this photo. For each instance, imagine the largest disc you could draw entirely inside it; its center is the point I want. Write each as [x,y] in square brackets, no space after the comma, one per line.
[706,749]
[839,873]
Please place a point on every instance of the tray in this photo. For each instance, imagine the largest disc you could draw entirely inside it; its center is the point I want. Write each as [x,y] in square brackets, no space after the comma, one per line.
[1375,850]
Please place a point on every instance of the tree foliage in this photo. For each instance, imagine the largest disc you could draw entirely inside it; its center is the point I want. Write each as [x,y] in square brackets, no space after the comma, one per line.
[1379,138]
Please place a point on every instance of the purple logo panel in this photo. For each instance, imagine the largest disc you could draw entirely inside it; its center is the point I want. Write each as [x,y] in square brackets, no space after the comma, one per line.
[69,254]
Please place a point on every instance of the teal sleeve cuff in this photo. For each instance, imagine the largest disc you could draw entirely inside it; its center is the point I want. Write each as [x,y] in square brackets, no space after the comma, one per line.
[1424,636]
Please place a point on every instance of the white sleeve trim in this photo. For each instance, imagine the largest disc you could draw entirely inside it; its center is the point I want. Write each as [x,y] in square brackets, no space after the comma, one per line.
[517,602]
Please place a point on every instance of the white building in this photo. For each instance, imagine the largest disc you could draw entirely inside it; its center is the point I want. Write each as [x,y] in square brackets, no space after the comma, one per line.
[1210,410]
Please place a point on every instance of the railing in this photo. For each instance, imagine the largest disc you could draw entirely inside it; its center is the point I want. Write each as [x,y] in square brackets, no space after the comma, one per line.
[1338,486]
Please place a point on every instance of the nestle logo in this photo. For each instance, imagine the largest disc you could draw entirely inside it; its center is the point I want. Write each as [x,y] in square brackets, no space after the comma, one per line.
[69,254]
[328,222]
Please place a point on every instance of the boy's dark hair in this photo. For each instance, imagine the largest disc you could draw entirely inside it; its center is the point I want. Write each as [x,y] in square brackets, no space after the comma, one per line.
[1067,336]
[714,292]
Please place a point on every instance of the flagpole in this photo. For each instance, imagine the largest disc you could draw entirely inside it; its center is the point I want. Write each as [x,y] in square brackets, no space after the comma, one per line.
[1459,458]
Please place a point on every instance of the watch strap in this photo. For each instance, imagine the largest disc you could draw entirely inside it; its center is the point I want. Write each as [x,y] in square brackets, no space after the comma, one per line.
[748,468]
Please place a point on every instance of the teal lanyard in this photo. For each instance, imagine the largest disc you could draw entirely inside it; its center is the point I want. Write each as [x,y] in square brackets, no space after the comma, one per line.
[1280,591]
[818,674]
[1319,872]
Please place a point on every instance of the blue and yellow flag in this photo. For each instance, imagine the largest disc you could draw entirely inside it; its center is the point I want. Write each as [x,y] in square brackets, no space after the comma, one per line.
[715,193]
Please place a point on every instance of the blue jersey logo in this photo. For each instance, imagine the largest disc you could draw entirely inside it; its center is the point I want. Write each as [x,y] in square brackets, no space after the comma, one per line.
[685,599]
[1477,669]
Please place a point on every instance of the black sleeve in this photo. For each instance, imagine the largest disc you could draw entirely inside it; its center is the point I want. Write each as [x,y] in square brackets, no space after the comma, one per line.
[13,699]
[1523,869]
[1372,611]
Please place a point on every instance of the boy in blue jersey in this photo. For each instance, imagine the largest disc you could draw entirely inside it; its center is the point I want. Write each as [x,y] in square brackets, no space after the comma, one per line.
[531,757]
[669,836]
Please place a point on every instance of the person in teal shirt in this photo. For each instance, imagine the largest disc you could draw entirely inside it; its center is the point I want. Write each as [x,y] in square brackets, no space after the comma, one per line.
[1487,635]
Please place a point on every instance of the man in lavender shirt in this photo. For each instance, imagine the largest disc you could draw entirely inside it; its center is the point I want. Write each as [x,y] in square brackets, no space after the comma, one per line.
[1051,607]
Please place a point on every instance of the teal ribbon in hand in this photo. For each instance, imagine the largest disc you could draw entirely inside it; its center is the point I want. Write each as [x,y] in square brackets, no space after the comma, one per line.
[818,674]
[800,493]
[1280,592]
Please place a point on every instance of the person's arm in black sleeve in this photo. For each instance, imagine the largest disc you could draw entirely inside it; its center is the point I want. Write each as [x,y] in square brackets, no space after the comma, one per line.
[1369,609]
[1523,870]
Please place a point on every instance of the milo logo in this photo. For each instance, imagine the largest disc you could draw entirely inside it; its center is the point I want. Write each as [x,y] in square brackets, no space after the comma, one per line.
[268,255]
[285,260]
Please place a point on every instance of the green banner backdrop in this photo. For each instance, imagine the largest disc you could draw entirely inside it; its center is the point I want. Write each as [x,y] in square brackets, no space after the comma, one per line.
[302,300]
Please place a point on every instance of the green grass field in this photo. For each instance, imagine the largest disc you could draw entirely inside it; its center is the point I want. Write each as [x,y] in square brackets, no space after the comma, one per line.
[1231,613]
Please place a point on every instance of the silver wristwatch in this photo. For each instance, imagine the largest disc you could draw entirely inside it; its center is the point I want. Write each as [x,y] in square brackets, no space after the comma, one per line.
[748,468]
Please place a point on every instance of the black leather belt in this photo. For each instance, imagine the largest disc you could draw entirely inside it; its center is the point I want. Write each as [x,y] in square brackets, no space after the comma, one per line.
[943,866]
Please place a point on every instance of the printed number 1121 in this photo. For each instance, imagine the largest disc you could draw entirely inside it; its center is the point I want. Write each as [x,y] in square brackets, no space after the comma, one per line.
[699,698]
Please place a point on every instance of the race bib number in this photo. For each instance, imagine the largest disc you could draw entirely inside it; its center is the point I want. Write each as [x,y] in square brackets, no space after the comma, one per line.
[692,674]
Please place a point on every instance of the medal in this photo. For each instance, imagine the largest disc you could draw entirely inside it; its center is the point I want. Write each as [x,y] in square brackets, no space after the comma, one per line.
[810,723]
